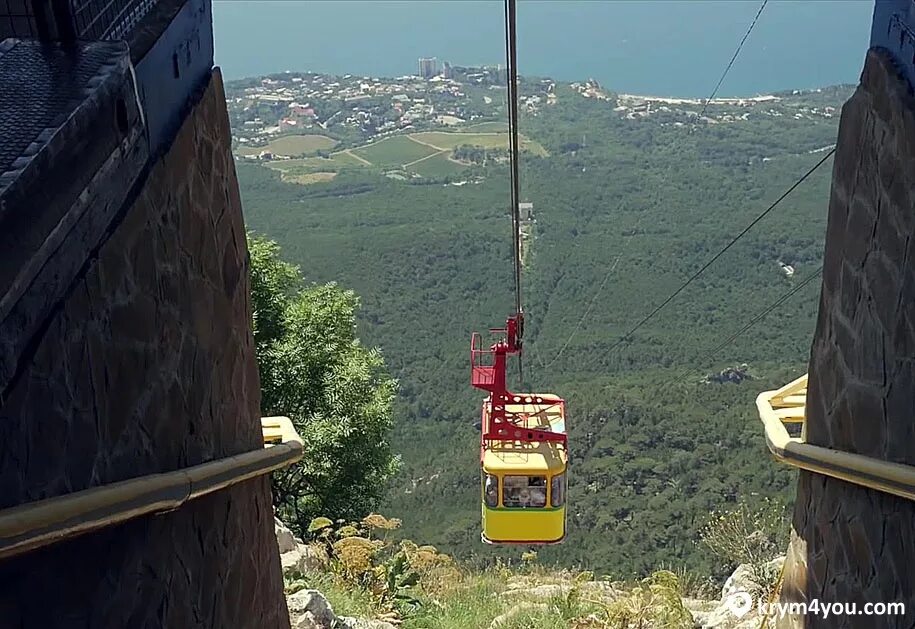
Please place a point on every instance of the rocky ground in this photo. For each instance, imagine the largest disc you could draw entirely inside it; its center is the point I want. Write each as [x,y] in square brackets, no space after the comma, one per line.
[309,609]
[720,614]
[523,594]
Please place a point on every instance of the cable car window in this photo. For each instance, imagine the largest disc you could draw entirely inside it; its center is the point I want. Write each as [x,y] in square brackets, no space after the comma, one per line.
[524,491]
[491,491]
[558,490]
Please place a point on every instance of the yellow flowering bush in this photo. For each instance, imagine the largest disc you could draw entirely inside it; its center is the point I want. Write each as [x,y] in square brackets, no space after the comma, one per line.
[389,572]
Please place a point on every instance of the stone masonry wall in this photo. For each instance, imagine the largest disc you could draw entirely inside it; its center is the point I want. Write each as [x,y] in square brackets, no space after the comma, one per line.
[851,544]
[148,366]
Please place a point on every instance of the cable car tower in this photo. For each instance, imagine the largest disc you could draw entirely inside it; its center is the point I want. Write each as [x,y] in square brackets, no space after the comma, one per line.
[524,446]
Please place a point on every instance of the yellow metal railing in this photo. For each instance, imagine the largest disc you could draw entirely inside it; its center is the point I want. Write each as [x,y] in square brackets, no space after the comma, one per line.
[36,524]
[787,405]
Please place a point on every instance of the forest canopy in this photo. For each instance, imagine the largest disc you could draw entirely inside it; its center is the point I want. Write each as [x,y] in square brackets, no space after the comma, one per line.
[315,370]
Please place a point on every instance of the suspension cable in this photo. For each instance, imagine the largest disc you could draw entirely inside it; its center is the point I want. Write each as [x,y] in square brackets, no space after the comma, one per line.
[511,52]
[762,315]
[600,287]
[733,59]
[701,114]
[730,244]
[708,101]
[512,58]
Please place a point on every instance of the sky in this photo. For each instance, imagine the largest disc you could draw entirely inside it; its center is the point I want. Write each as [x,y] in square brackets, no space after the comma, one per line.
[649,46]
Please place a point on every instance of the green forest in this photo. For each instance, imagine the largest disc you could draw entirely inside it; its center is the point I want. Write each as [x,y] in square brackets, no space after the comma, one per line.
[625,209]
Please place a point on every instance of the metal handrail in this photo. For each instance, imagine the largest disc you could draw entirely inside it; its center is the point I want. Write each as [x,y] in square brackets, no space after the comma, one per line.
[37,524]
[788,405]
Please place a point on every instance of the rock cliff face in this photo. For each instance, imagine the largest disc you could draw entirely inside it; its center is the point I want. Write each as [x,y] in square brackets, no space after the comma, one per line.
[851,544]
[147,365]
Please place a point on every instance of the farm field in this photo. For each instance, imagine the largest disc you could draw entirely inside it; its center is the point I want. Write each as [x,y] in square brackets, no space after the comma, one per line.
[347,158]
[484,127]
[306,163]
[394,151]
[310,170]
[438,165]
[336,160]
[426,153]
[292,145]
[489,140]
[305,179]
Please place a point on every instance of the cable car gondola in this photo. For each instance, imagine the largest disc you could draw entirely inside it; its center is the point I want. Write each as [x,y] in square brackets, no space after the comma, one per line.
[523,452]
[524,447]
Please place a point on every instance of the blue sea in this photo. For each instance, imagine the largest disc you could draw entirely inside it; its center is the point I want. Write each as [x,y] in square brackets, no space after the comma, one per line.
[670,48]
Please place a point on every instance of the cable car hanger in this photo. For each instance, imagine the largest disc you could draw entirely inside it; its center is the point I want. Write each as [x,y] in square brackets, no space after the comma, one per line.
[523,445]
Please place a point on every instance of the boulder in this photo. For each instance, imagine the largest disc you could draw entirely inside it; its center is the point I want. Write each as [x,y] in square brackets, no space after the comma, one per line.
[313,603]
[306,621]
[697,606]
[747,579]
[592,589]
[284,537]
[743,579]
[538,592]
[308,609]
[302,559]
[720,615]
[507,619]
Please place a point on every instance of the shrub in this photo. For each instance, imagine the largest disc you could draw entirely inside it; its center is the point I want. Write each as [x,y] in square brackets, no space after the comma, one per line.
[395,575]
[753,535]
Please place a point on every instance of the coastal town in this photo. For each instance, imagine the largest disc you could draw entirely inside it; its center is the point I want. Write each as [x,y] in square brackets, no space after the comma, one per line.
[357,108]
[444,119]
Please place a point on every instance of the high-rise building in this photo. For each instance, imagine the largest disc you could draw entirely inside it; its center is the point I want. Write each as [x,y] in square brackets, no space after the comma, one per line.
[428,67]
[447,72]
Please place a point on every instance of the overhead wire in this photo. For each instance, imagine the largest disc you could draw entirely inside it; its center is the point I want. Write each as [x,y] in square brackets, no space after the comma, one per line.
[708,101]
[720,253]
[512,58]
[759,317]
[733,58]
[511,52]
[597,293]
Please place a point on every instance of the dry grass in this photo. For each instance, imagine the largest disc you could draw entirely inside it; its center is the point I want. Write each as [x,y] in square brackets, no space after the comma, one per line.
[306,179]
[292,145]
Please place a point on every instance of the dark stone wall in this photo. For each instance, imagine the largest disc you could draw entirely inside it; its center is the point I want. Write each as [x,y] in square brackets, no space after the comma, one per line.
[851,544]
[148,366]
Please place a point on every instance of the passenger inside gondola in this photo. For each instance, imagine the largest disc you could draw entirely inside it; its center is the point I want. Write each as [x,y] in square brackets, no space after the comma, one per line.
[524,492]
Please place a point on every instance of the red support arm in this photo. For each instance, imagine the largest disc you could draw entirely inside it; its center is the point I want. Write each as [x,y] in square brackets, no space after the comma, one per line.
[488,372]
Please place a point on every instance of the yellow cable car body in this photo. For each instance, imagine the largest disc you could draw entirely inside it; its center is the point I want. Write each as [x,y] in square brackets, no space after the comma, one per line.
[524,482]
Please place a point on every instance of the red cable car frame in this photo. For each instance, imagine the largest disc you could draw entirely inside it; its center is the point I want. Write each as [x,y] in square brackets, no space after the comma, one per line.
[504,425]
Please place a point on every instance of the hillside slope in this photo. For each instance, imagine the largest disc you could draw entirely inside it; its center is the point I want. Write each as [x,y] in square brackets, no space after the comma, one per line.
[630,199]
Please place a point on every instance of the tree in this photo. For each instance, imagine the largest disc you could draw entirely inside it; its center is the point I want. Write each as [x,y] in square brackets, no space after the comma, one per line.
[314,370]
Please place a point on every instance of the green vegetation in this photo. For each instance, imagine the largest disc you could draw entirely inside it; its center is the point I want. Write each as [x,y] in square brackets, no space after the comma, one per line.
[309,178]
[432,155]
[292,145]
[752,535]
[336,161]
[312,170]
[626,210]
[368,574]
[485,127]
[314,370]
[446,140]
[478,155]
[346,158]
[394,151]
[437,166]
